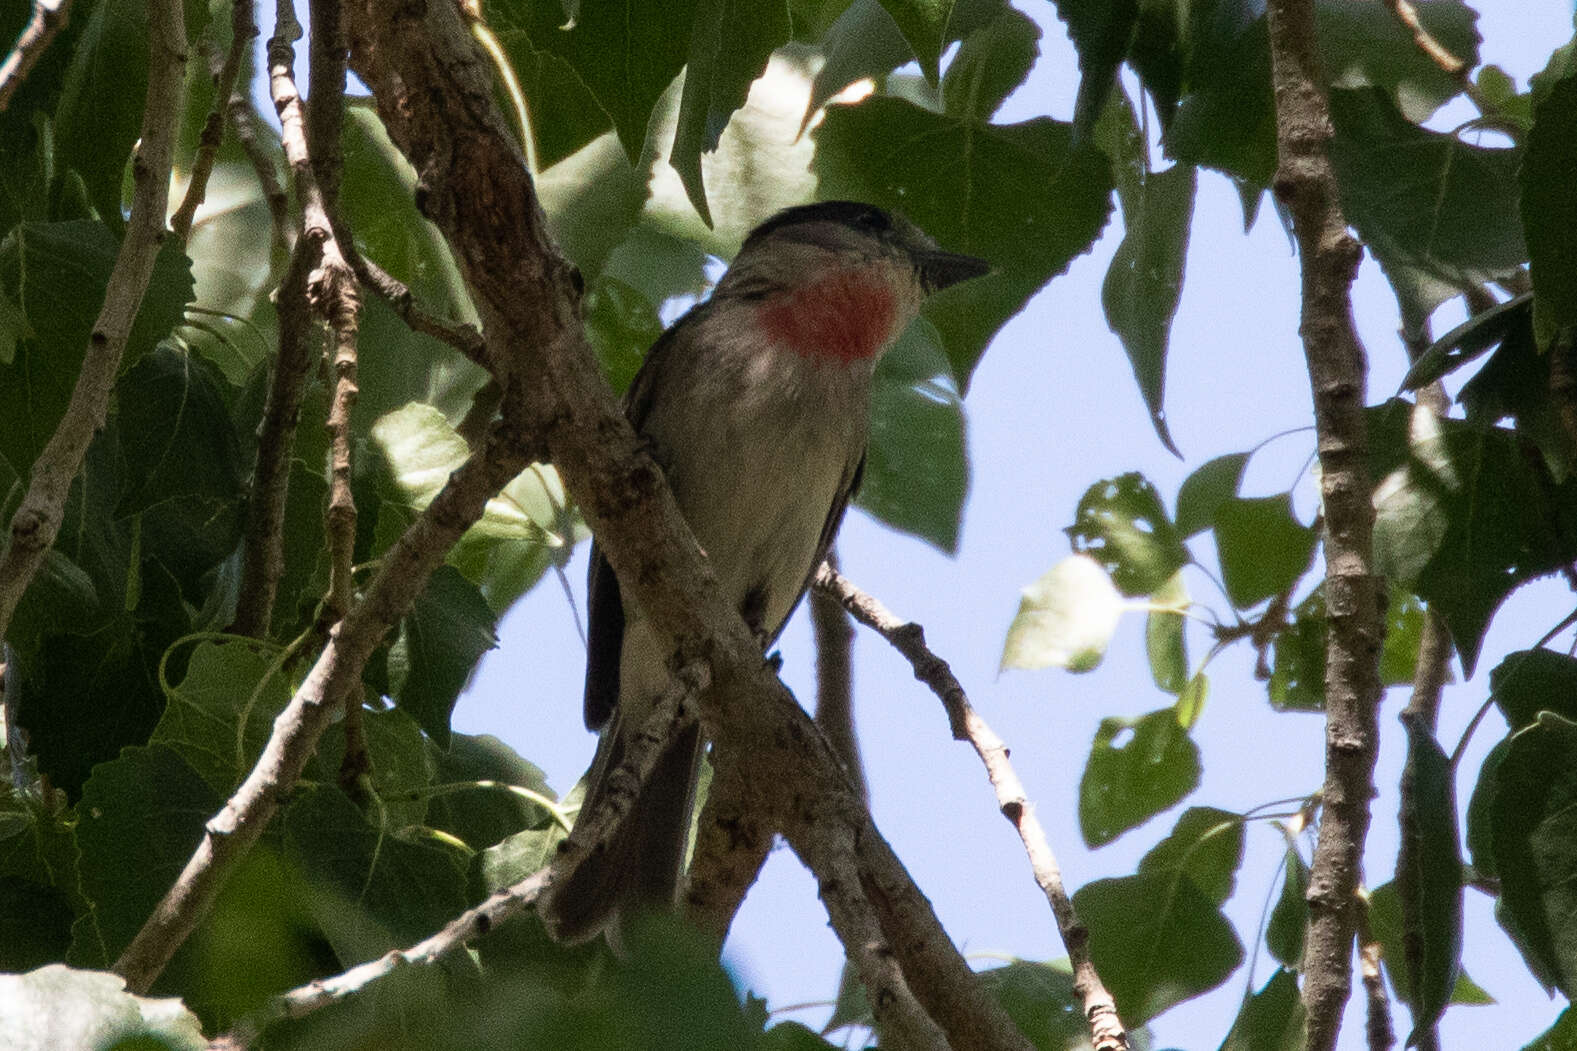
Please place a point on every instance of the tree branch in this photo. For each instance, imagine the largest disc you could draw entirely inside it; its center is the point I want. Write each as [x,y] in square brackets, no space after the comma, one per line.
[243,29]
[403,573]
[49,18]
[1306,184]
[37,519]
[732,843]
[1100,1011]
[434,92]
[835,679]
[669,715]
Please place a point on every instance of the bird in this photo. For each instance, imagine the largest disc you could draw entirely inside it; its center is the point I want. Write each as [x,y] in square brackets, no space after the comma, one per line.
[756,405]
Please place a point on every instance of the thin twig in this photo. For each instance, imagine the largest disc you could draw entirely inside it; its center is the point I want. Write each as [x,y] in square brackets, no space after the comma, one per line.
[1450,64]
[1100,1011]
[464,338]
[1305,183]
[669,715]
[247,125]
[401,575]
[243,29]
[49,18]
[38,517]
[1377,1017]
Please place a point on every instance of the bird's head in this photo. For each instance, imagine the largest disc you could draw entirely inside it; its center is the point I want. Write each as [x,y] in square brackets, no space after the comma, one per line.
[839,280]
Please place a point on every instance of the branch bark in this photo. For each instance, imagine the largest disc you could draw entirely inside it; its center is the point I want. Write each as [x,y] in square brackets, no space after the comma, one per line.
[670,714]
[1100,1010]
[231,833]
[434,93]
[1305,183]
[243,29]
[37,519]
[48,19]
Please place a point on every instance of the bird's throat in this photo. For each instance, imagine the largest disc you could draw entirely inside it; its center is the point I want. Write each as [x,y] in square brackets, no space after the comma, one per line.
[844,317]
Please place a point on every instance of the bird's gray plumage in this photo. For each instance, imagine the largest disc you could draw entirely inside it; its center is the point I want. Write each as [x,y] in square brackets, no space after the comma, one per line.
[763,447]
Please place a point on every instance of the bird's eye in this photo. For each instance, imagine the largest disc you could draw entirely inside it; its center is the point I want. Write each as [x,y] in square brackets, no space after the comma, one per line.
[875,221]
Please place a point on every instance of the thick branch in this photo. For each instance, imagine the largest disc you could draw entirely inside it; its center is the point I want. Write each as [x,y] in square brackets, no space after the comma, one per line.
[243,29]
[1306,184]
[732,842]
[404,571]
[37,519]
[49,18]
[1100,1011]
[434,93]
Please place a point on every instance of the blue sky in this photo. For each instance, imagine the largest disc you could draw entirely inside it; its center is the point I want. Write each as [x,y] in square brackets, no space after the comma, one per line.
[1052,409]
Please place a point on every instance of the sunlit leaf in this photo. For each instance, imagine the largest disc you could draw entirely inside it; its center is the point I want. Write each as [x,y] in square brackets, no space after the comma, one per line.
[1066,618]
[57,1007]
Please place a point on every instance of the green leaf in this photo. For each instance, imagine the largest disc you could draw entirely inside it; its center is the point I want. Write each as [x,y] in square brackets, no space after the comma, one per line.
[1527,682]
[1040,1000]
[991,63]
[421,450]
[1290,916]
[1385,923]
[371,891]
[1066,618]
[35,925]
[1297,677]
[565,115]
[593,200]
[962,182]
[1205,491]
[1404,632]
[1366,45]
[402,764]
[1549,211]
[1468,341]
[1191,702]
[443,636]
[917,465]
[1481,811]
[1165,643]
[1429,876]
[624,53]
[482,816]
[1121,523]
[1137,768]
[1156,940]
[181,462]
[1145,281]
[1272,1019]
[1264,549]
[923,24]
[1534,830]
[621,325]
[1205,846]
[57,273]
[1517,381]
[1431,208]
[1461,516]
[142,815]
[58,1007]
[1562,1036]
[100,111]
[219,716]
[730,42]
[1101,32]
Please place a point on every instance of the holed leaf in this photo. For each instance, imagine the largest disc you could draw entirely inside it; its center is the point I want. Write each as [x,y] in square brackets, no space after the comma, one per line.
[1121,523]
[1137,768]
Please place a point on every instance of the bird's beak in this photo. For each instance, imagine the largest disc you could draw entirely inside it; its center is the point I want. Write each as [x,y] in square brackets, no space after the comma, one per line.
[939,270]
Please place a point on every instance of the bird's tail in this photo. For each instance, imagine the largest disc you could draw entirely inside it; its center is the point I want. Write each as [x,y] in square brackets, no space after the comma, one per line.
[641,867]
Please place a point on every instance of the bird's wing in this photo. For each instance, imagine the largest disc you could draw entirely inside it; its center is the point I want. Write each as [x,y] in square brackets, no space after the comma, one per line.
[829,532]
[604,604]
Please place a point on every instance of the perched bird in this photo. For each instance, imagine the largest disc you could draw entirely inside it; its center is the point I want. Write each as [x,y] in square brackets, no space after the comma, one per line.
[756,404]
